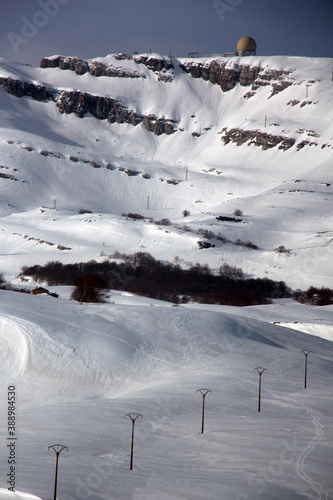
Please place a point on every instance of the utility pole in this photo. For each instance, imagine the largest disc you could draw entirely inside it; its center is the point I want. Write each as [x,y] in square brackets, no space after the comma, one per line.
[265,120]
[57,448]
[186,170]
[260,370]
[204,393]
[307,89]
[133,417]
[306,352]
[148,202]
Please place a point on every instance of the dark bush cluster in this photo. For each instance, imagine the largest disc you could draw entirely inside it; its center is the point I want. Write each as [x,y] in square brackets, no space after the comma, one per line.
[134,216]
[84,211]
[90,288]
[233,272]
[315,296]
[247,244]
[143,275]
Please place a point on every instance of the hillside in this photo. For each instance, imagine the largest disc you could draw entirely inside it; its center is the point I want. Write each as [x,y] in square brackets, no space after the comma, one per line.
[143,153]
[155,136]
[78,369]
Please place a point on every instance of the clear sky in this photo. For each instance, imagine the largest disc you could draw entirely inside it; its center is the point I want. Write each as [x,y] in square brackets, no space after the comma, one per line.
[31,29]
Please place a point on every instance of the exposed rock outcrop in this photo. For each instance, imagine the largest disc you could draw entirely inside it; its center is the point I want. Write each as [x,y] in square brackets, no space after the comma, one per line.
[227,77]
[257,138]
[81,103]
[99,68]
[20,89]
[92,66]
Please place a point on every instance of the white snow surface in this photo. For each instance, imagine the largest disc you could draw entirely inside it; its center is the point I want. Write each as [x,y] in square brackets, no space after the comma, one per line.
[17,495]
[285,196]
[78,369]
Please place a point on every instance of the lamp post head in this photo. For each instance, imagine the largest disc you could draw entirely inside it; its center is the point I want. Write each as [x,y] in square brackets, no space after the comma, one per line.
[133,416]
[306,352]
[57,448]
[204,392]
[260,370]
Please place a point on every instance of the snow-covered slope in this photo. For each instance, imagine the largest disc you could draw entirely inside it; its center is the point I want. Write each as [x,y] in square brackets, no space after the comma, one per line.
[78,369]
[156,137]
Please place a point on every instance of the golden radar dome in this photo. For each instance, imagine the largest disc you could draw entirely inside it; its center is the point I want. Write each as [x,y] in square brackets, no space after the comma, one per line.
[246,44]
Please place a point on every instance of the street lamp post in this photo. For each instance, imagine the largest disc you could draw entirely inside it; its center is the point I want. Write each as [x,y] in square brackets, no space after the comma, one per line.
[133,417]
[57,448]
[306,352]
[260,370]
[204,393]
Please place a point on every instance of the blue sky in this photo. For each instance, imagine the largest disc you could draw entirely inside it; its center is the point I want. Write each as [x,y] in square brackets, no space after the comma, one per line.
[31,29]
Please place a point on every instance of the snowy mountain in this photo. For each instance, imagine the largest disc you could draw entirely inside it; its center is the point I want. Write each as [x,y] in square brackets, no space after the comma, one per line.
[233,151]
[154,136]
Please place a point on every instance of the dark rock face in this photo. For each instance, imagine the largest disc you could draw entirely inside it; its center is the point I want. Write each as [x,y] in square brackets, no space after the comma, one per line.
[244,74]
[301,144]
[257,138]
[20,89]
[154,64]
[50,62]
[82,66]
[81,103]
[98,68]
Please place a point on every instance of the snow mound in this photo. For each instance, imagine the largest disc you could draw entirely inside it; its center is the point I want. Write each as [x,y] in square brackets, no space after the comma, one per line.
[17,495]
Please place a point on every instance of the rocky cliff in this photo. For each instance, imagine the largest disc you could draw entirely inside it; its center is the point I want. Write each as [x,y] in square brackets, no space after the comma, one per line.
[227,76]
[160,66]
[257,138]
[219,72]
[81,103]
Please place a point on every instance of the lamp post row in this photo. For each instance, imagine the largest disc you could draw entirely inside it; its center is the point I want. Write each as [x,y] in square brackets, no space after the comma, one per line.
[58,448]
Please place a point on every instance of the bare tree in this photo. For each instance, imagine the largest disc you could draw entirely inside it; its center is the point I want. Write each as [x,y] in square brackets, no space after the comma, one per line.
[90,288]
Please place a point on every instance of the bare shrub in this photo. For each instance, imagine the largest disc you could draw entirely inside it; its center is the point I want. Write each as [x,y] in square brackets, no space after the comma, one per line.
[248,244]
[231,271]
[163,222]
[206,233]
[90,288]
[84,211]
[238,212]
[281,249]
[134,216]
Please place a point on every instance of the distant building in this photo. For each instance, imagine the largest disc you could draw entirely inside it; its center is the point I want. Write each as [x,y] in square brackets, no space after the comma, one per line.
[246,46]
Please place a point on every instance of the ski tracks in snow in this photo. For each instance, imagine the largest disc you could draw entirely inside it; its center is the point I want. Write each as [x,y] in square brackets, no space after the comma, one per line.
[314,441]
